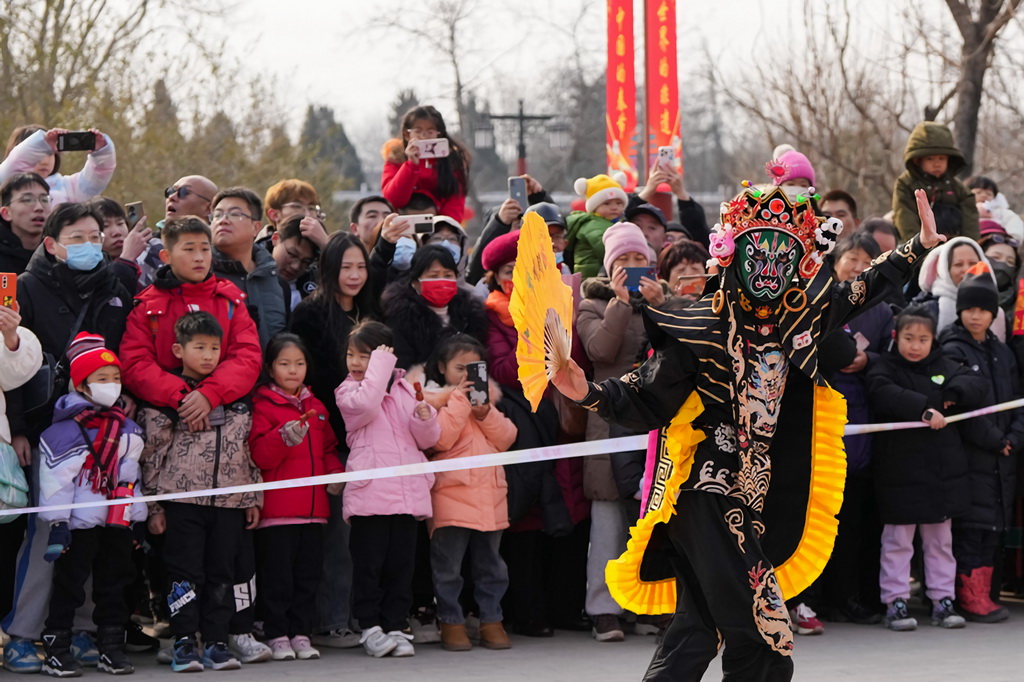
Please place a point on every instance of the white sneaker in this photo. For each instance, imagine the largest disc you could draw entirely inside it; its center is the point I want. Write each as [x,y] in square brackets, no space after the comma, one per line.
[248,649]
[337,639]
[376,643]
[303,649]
[403,644]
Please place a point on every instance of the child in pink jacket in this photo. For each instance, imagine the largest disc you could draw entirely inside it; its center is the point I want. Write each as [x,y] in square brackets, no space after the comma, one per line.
[387,425]
[470,506]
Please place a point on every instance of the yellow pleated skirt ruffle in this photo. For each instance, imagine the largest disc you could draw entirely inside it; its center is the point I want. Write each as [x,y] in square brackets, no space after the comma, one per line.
[828,477]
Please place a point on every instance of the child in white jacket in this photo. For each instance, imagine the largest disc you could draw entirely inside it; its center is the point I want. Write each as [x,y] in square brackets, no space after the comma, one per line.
[91,452]
[33,149]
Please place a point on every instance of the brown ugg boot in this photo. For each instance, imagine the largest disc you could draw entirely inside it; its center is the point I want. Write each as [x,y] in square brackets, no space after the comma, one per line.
[454,637]
[493,636]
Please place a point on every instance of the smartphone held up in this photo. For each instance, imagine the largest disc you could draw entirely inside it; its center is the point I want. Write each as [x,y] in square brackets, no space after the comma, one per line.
[433,149]
[81,141]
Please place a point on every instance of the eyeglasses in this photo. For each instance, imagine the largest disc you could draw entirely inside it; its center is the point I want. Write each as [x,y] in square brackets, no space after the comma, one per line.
[233,215]
[43,200]
[94,238]
[437,239]
[183,192]
[312,210]
[423,132]
[999,239]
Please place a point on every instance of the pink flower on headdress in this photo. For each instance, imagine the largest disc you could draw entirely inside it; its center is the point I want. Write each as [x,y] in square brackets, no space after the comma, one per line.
[722,245]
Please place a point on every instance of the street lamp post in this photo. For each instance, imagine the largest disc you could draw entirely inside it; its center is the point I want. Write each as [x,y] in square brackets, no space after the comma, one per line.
[522,119]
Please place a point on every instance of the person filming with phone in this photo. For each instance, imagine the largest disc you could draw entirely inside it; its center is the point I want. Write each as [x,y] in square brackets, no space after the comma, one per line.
[32,148]
[424,159]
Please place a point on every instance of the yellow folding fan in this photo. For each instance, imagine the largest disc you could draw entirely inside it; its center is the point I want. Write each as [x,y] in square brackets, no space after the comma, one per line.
[541,308]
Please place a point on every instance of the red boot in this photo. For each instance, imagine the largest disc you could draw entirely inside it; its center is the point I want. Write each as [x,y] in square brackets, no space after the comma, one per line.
[973,600]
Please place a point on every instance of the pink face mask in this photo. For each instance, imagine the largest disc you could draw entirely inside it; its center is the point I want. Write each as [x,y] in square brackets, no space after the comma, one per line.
[438,292]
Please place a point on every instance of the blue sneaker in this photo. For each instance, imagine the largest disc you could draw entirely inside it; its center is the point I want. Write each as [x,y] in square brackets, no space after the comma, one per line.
[219,657]
[83,648]
[185,657]
[21,656]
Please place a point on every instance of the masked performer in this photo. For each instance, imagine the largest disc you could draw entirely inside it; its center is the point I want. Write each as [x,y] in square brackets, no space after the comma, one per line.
[739,510]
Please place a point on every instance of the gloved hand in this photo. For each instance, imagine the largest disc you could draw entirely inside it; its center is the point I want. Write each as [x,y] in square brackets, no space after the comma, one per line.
[59,541]
[294,431]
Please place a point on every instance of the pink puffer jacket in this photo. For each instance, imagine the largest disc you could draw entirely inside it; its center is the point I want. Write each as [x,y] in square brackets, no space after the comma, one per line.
[383,431]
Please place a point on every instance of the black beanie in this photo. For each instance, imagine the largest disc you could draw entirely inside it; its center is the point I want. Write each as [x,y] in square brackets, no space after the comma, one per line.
[977,290]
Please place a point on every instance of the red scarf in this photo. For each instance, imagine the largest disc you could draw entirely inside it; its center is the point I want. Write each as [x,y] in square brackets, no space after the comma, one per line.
[101,464]
[498,302]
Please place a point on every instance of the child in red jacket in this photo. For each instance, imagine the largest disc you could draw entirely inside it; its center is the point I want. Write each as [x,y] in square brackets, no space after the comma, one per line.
[184,284]
[291,438]
[442,179]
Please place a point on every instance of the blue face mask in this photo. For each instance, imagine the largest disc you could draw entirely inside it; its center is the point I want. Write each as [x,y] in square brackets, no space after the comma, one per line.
[83,257]
[454,249]
[559,257]
[405,247]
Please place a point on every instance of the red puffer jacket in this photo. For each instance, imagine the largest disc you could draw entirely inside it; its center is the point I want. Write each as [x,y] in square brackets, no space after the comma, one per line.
[317,454]
[146,353]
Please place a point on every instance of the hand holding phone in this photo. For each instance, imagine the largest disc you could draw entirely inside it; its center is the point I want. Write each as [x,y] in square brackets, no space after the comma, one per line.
[517,191]
[476,372]
[8,289]
[433,149]
[633,276]
[79,141]
[133,212]
[666,156]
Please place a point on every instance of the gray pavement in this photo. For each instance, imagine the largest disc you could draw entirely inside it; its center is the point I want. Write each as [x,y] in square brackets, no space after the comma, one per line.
[989,653]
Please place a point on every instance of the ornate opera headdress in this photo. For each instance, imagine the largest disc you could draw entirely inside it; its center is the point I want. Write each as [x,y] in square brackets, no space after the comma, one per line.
[772,208]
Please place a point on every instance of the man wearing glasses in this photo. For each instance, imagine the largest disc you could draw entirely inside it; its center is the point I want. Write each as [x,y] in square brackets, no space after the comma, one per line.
[24,207]
[235,221]
[289,198]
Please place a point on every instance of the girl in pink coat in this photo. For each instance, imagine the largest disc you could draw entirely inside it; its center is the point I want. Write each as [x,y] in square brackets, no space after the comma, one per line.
[471,506]
[387,425]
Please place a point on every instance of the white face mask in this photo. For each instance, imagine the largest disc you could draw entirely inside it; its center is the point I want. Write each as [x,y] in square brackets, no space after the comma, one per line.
[105,394]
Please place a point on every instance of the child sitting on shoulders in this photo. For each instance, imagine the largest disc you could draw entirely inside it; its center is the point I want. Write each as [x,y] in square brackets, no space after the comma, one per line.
[388,425]
[90,453]
[605,204]
[203,535]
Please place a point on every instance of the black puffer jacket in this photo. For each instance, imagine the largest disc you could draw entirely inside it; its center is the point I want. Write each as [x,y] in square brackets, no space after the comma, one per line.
[419,330]
[993,475]
[921,474]
[51,297]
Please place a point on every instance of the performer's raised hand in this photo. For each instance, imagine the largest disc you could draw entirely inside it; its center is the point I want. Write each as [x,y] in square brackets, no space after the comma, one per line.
[571,381]
[929,233]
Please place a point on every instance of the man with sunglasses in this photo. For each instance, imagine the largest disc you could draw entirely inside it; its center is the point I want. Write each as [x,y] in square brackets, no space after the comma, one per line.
[191,195]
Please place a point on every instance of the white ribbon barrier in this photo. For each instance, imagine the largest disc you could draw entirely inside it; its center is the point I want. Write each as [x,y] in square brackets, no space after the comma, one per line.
[585,449]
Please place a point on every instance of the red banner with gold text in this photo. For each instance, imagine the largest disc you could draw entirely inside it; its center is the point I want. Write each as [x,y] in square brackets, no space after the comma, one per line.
[662,80]
[620,117]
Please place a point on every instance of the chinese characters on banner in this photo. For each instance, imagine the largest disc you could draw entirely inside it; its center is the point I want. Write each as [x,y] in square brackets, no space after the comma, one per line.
[662,80]
[620,117]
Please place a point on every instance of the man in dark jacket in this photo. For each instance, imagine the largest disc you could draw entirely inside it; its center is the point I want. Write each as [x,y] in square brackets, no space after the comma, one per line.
[236,220]
[24,206]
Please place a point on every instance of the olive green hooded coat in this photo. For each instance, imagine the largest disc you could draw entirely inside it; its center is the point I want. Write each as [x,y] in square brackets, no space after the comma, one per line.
[928,139]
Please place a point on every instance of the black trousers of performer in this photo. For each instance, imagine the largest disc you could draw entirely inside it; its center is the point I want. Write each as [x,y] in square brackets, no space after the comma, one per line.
[725,585]
[383,562]
[12,534]
[291,561]
[547,577]
[104,552]
[200,551]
